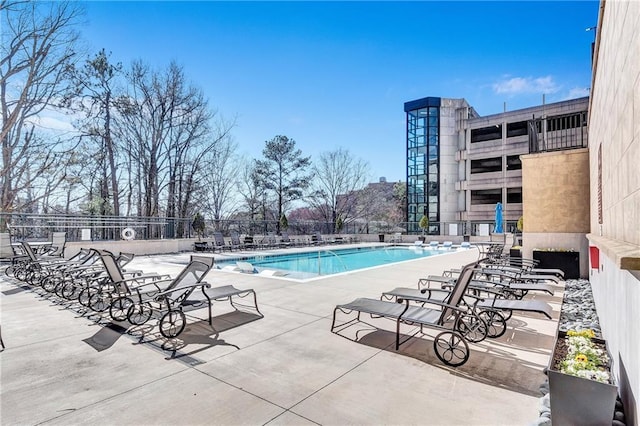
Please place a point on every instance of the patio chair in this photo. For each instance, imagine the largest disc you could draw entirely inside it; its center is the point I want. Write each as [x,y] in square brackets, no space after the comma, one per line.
[316,239]
[170,305]
[139,304]
[33,267]
[494,311]
[434,244]
[450,345]
[286,241]
[268,241]
[58,242]
[101,292]
[200,246]
[219,243]
[236,244]
[6,250]
[510,286]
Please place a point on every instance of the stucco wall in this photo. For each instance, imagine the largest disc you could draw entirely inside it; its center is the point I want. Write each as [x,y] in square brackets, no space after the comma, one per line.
[555,191]
[614,131]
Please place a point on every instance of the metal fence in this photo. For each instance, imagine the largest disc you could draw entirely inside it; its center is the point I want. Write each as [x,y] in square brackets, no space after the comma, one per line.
[25,226]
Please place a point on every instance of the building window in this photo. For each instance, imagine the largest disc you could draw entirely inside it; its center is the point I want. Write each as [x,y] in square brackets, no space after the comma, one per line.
[514,195]
[423,162]
[600,184]
[486,133]
[486,165]
[514,163]
[486,196]
[517,129]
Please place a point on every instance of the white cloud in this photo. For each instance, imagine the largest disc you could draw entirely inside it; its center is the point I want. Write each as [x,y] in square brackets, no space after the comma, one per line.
[525,85]
[577,92]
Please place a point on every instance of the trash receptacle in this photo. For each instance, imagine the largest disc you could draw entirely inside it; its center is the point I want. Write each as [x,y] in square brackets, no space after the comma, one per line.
[466,238]
[381,237]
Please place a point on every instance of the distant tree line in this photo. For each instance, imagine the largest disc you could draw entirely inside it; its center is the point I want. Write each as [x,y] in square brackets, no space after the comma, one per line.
[146,142]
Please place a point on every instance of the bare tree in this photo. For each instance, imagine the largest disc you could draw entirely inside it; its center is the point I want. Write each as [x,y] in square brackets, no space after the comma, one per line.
[283,172]
[338,176]
[250,189]
[37,47]
[219,179]
[95,96]
[167,131]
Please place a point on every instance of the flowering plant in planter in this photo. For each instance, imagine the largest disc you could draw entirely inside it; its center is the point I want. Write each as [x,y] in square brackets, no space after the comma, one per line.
[584,358]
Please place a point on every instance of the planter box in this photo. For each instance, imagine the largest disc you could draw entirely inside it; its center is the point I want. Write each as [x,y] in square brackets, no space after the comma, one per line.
[567,261]
[578,401]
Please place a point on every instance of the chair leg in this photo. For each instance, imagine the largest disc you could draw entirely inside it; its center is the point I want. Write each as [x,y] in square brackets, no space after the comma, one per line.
[1,341]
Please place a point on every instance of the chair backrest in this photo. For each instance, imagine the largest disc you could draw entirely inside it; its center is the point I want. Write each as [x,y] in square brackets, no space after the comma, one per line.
[6,251]
[235,238]
[58,241]
[193,273]
[111,266]
[219,239]
[28,250]
[458,290]
[124,258]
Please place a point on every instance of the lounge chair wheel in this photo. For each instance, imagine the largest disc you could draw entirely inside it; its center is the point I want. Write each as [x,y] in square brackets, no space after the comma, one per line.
[99,302]
[84,296]
[21,274]
[10,271]
[451,348]
[139,314]
[33,278]
[119,308]
[172,323]
[68,290]
[496,324]
[49,284]
[472,327]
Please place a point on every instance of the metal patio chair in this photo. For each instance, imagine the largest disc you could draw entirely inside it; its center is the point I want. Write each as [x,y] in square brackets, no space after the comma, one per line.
[450,345]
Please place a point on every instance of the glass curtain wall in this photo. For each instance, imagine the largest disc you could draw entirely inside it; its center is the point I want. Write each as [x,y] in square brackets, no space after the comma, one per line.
[423,126]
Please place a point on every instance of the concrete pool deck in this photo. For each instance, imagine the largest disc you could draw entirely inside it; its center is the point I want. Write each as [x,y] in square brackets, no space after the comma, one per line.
[63,367]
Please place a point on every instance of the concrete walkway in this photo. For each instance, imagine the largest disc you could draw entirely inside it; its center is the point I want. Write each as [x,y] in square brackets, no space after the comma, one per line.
[65,367]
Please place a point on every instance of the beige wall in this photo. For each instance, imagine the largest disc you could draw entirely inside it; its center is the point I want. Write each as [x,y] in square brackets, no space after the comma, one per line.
[555,192]
[614,126]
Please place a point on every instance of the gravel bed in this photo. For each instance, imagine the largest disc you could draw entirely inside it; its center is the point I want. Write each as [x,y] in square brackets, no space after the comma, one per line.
[578,312]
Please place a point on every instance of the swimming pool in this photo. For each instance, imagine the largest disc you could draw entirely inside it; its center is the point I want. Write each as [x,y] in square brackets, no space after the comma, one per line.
[328,262]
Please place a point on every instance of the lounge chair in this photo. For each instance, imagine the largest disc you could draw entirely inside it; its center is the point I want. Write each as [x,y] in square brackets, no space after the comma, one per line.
[171,304]
[219,243]
[58,242]
[494,310]
[236,244]
[434,244]
[316,239]
[200,246]
[286,241]
[450,345]
[268,241]
[509,285]
[108,290]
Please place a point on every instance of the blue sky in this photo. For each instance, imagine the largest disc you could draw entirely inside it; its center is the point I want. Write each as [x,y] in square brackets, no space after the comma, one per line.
[337,74]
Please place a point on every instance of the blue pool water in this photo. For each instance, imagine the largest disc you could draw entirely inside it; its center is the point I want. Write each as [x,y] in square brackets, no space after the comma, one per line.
[328,262]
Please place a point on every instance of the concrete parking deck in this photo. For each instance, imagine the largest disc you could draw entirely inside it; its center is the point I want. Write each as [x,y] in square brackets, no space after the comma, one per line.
[65,367]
